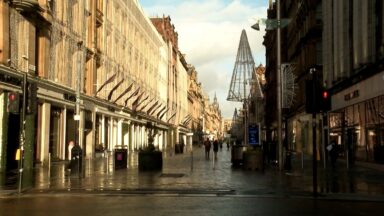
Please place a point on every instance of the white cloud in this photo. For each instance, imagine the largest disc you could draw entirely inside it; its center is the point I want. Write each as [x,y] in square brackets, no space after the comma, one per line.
[209,34]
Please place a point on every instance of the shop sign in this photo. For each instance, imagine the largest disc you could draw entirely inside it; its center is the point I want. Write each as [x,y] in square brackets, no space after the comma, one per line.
[351,95]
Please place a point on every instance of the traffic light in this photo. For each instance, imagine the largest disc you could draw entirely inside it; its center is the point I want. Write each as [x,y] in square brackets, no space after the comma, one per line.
[317,98]
[31,98]
[13,105]
[325,100]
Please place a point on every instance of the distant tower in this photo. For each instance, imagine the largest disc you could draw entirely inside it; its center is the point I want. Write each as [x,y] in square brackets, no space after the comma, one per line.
[215,102]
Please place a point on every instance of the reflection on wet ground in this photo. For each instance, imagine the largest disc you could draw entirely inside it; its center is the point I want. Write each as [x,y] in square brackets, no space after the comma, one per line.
[191,171]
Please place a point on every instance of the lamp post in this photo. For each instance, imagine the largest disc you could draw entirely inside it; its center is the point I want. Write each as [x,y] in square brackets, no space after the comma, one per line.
[279,114]
[23,122]
[77,116]
[22,135]
[277,24]
[245,113]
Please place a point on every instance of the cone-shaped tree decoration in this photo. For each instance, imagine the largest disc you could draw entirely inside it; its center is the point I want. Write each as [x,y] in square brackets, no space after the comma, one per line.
[242,72]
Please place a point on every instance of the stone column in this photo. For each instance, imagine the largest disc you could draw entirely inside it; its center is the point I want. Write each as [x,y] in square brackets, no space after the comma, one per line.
[3,131]
[130,137]
[120,132]
[45,124]
[102,131]
[90,139]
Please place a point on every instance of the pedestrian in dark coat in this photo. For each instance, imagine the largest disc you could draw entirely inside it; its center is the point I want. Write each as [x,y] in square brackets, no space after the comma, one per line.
[215,147]
[333,153]
[207,145]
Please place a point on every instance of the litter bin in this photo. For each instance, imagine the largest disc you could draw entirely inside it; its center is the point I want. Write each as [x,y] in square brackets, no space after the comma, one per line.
[287,162]
[76,159]
[253,160]
[179,148]
[121,158]
[237,155]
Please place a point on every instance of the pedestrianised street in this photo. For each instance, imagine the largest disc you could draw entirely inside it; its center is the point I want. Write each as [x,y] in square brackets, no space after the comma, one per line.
[191,183]
[191,107]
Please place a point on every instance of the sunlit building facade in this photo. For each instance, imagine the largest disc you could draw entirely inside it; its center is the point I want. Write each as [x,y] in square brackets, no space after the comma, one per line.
[212,119]
[341,42]
[195,106]
[353,46]
[109,54]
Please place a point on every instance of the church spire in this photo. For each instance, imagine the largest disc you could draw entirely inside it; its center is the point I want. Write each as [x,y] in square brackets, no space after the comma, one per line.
[215,99]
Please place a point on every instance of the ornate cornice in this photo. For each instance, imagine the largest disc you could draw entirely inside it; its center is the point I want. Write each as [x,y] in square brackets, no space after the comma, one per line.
[26,5]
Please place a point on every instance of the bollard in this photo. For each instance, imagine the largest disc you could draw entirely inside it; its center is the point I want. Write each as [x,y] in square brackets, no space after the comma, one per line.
[89,166]
[191,160]
[49,163]
[107,162]
[49,166]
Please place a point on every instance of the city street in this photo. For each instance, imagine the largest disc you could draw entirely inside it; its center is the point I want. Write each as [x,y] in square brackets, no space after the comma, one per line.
[190,184]
[59,204]
[110,107]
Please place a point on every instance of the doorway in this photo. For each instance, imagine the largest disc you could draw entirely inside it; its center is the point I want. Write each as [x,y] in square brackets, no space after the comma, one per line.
[13,141]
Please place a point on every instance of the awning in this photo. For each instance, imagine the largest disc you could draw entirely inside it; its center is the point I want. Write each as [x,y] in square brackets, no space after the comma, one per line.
[109,80]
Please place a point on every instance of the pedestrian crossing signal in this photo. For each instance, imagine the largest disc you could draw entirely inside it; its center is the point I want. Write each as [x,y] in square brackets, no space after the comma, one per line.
[318,99]
[13,105]
[326,101]
[325,95]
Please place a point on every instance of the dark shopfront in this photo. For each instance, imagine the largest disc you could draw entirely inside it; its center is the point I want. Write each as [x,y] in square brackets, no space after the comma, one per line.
[359,130]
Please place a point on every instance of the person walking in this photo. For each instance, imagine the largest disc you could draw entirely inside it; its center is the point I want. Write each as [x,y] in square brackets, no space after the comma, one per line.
[333,153]
[70,146]
[215,147]
[207,145]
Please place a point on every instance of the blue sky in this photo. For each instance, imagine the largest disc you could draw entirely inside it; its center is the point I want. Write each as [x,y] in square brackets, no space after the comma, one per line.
[209,34]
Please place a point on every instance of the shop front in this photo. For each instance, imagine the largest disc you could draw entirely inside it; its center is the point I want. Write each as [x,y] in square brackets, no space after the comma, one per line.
[357,121]
[359,130]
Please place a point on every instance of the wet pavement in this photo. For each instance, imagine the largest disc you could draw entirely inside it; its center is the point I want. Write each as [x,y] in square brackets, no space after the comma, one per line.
[190,173]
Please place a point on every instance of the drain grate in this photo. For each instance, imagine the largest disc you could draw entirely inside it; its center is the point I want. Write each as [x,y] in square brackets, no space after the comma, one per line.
[172,175]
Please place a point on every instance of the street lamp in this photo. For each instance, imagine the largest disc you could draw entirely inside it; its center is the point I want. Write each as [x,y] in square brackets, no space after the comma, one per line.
[277,24]
[23,121]
[256,26]
[77,105]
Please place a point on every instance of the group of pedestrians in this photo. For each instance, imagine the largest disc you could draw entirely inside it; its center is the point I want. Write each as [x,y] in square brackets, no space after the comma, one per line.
[207,146]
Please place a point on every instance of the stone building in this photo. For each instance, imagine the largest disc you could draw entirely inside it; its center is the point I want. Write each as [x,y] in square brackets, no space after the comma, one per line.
[271,80]
[196,106]
[256,104]
[304,51]
[103,73]
[341,42]
[212,119]
[177,81]
[353,56]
